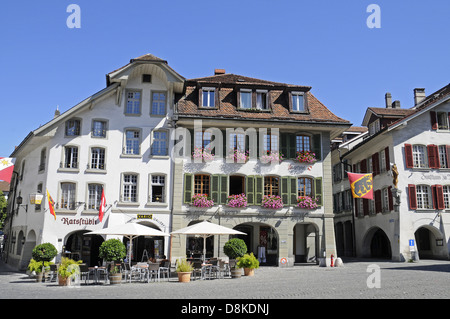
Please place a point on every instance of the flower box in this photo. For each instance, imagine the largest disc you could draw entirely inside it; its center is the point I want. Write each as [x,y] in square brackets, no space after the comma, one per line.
[271,157]
[271,201]
[307,202]
[306,157]
[203,154]
[202,200]
[238,156]
[237,201]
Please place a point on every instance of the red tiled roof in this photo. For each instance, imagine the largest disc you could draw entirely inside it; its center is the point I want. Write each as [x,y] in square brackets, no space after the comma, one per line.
[188,104]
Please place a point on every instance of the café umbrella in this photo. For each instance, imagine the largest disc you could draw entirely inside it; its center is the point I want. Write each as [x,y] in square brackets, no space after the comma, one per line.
[130,231]
[206,229]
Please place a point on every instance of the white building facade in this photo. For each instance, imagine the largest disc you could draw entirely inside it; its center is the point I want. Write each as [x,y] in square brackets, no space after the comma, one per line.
[409,217]
[116,141]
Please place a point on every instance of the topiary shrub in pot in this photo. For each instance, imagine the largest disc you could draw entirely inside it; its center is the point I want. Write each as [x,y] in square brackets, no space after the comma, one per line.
[249,263]
[44,252]
[113,251]
[234,249]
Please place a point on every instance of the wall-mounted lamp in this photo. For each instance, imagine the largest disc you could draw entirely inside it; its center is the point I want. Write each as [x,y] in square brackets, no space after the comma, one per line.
[19,201]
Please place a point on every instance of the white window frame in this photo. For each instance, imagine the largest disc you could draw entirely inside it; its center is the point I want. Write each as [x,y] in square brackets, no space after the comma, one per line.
[446,192]
[71,158]
[424,197]
[210,100]
[132,151]
[72,127]
[442,121]
[104,128]
[68,196]
[96,157]
[420,157]
[94,198]
[133,111]
[385,199]
[130,185]
[157,141]
[296,101]
[245,92]
[442,150]
[382,156]
[158,180]
[262,100]
[159,103]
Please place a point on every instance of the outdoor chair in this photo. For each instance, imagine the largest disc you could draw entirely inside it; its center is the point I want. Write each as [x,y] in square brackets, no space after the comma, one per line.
[53,274]
[142,270]
[153,271]
[84,272]
[164,269]
[224,269]
[197,264]
[212,269]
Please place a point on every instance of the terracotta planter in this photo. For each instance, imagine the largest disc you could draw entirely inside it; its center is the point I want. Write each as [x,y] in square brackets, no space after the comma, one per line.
[249,271]
[63,281]
[115,279]
[184,276]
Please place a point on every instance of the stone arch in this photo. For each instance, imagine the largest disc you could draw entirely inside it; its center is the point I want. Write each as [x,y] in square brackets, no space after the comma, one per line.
[376,244]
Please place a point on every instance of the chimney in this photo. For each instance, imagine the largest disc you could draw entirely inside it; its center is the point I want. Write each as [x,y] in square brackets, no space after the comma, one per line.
[57,112]
[388,98]
[419,95]
[219,71]
[396,104]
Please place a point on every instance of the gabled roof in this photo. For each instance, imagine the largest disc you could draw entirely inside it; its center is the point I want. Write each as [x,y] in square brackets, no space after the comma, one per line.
[383,112]
[317,112]
[242,80]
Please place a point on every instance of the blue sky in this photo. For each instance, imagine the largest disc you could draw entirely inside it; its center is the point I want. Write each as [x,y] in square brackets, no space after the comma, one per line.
[325,44]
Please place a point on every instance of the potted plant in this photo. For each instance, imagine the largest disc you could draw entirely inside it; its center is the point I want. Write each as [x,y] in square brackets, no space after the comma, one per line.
[44,252]
[201,153]
[237,201]
[67,270]
[272,157]
[307,202]
[272,201]
[235,248]
[114,251]
[202,200]
[184,270]
[238,156]
[306,157]
[39,268]
[249,263]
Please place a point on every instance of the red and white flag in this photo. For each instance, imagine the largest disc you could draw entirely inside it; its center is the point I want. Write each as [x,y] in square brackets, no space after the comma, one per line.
[102,208]
[6,168]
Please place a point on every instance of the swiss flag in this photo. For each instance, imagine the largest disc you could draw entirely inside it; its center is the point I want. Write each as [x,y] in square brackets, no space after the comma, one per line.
[102,208]
[6,168]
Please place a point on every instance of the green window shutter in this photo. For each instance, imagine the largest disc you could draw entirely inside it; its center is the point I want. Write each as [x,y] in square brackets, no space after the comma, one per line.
[292,151]
[215,188]
[223,189]
[316,146]
[188,188]
[293,191]
[318,190]
[259,189]
[250,188]
[285,190]
[284,144]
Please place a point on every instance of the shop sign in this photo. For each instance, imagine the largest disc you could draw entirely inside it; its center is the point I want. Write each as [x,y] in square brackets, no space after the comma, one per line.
[142,216]
[79,221]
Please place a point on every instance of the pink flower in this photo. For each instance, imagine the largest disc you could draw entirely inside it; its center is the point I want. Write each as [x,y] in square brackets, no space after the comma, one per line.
[201,200]
[272,201]
[237,201]
[307,202]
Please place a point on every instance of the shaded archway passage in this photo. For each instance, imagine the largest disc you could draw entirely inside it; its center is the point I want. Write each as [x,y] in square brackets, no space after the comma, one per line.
[380,246]
[430,243]
[79,246]
[306,243]
[262,240]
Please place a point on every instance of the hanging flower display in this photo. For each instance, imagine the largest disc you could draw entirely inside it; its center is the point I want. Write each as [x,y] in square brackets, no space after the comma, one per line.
[239,156]
[272,157]
[306,157]
[237,201]
[307,202]
[202,200]
[202,153]
[272,201]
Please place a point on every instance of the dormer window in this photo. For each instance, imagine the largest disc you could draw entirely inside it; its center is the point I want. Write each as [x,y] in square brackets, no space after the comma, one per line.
[298,104]
[208,97]
[261,100]
[246,99]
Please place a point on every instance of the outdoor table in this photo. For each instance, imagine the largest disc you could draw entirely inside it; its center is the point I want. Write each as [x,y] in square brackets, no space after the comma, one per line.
[205,268]
[95,270]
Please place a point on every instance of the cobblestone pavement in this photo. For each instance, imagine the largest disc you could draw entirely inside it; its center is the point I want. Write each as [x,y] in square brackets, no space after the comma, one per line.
[356,279]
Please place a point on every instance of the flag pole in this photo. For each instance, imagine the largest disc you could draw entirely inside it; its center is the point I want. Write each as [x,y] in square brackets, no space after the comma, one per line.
[353,211]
